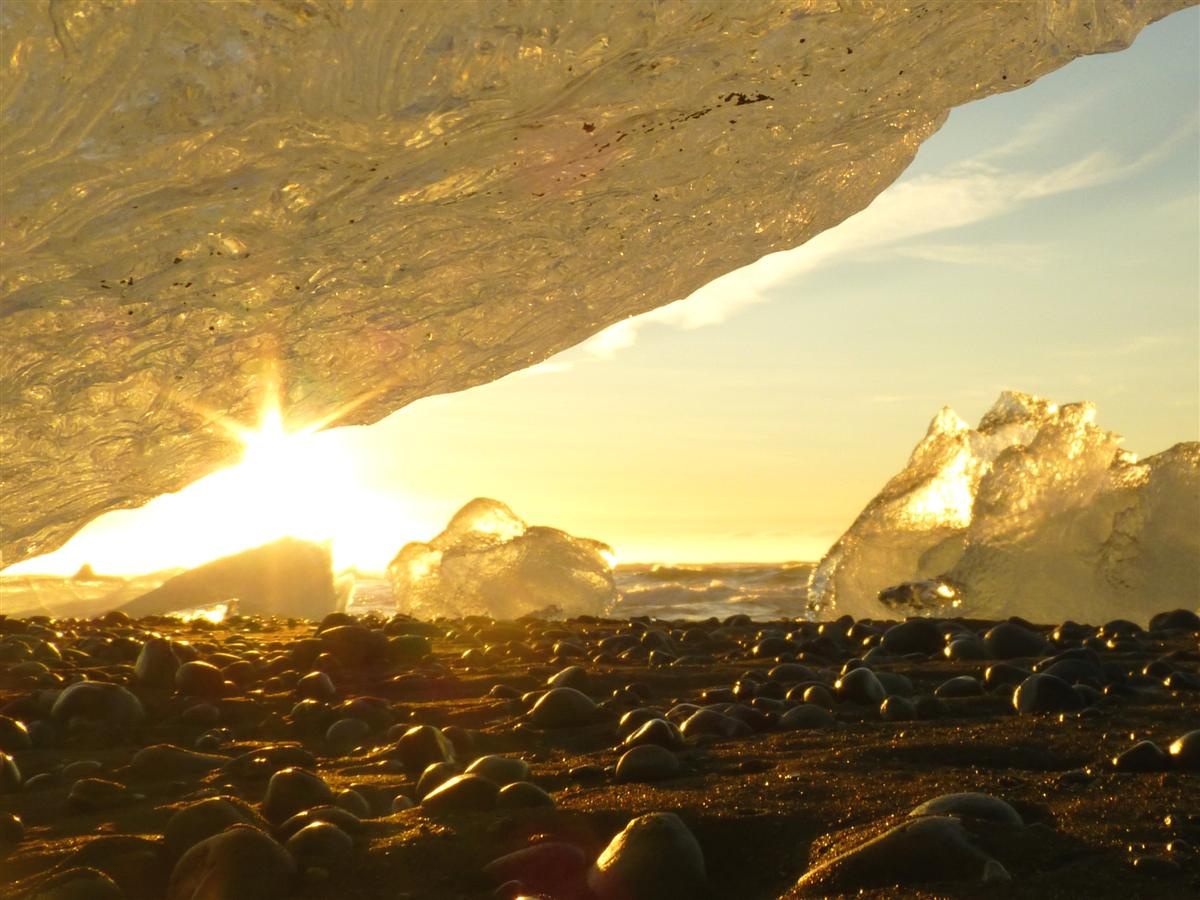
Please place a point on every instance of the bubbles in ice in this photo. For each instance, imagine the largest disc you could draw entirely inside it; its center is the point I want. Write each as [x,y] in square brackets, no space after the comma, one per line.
[489,562]
[1036,512]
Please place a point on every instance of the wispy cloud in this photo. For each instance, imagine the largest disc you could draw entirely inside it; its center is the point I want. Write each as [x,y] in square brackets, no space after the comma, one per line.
[899,220]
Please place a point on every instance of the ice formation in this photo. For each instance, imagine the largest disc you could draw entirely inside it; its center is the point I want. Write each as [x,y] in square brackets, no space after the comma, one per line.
[1037,512]
[403,199]
[490,563]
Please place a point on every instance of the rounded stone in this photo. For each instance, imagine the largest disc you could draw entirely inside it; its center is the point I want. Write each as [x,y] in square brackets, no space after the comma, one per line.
[77,883]
[563,707]
[500,769]
[646,762]
[522,795]
[435,775]
[656,731]
[897,709]
[12,829]
[331,815]
[913,636]
[346,734]
[1175,620]
[200,820]
[806,716]
[14,736]
[164,761]
[98,701]
[927,849]
[200,679]
[571,677]
[552,866]
[1144,756]
[423,745]
[355,646]
[156,664]
[1011,641]
[99,793]
[10,775]
[860,686]
[322,845]
[316,686]
[462,793]
[240,863]
[293,790]
[970,805]
[655,857]
[354,803]
[1045,693]
[1184,752]
[958,687]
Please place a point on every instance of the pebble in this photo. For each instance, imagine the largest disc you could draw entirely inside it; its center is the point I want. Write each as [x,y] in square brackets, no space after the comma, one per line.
[197,821]
[1045,693]
[156,664]
[1011,641]
[14,736]
[435,775]
[12,829]
[332,815]
[913,636]
[422,745]
[563,707]
[646,762]
[970,805]
[1185,752]
[462,793]
[200,679]
[165,761]
[293,790]
[552,866]
[806,716]
[571,677]
[655,857]
[897,709]
[927,849]
[959,687]
[500,769]
[656,731]
[99,793]
[10,775]
[322,845]
[241,863]
[1144,756]
[860,686]
[522,795]
[101,702]
[79,883]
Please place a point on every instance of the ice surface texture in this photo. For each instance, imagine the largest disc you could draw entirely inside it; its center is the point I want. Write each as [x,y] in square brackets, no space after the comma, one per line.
[1037,513]
[403,199]
[490,563]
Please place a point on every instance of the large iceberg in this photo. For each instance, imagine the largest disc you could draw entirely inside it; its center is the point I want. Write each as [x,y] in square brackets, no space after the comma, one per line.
[1037,512]
[392,200]
[490,563]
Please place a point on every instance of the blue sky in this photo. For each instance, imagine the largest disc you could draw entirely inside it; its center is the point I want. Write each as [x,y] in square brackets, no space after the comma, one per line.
[1045,240]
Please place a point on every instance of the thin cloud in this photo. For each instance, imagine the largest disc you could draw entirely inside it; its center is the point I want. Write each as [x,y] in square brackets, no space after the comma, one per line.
[964,194]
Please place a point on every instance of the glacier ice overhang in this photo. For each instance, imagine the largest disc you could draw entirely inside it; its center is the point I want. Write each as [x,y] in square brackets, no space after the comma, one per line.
[393,200]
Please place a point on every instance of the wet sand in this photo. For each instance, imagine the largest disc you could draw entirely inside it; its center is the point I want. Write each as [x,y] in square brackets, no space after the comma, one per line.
[765,805]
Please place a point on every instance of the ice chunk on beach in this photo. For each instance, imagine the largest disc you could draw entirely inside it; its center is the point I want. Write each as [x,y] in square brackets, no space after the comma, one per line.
[489,562]
[1037,512]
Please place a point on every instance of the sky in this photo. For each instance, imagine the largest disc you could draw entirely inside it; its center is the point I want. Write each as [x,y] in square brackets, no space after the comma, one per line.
[1046,240]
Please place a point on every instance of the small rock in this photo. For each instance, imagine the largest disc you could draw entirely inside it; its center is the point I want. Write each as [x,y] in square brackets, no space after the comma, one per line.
[1185,752]
[656,857]
[462,793]
[806,716]
[98,701]
[563,707]
[1144,756]
[321,845]
[1010,641]
[422,745]
[200,820]
[240,863]
[79,883]
[12,830]
[156,664]
[165,761]
[647,762]
[98,793]
[860,686]
[522,795]
[500,769]
[552,866]
[200,679]
[293,790]
[656,731]
[970,805]
[1045,693]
